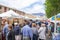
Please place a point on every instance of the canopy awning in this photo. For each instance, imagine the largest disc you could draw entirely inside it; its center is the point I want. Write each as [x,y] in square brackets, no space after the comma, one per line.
[10,14]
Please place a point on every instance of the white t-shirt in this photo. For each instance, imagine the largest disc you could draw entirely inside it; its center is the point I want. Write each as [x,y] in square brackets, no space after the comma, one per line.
[42,31]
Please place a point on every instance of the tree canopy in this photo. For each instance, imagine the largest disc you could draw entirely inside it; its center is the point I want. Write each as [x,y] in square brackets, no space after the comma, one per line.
[52,7]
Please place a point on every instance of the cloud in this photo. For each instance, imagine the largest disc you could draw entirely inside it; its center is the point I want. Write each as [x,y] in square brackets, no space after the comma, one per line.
[18,3]
[28,6]
[36,8]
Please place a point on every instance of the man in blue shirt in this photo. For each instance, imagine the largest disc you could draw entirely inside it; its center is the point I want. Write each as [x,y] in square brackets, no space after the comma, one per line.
[27,32]
[57,37]
[5,30]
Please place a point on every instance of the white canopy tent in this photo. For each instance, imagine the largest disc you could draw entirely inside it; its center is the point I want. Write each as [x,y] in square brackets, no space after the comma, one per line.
[10,14]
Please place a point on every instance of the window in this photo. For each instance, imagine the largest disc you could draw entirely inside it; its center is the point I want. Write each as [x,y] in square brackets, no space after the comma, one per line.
[5,8]
[14,10]
[0,7]
[9,8]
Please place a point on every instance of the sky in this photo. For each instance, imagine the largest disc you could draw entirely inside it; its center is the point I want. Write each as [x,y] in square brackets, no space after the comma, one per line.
[27,6]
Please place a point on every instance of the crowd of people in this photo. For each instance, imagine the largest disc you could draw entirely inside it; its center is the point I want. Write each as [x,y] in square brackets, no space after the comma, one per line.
[29,30]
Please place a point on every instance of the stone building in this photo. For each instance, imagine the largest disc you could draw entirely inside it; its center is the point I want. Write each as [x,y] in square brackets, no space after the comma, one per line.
[5,8]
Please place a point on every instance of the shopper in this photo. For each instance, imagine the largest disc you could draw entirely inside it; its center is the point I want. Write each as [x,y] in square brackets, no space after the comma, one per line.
[52,29]
[10,35]
[42,31]
[16,29]
[5,30]
[35,31]
[27,31]
[58,28]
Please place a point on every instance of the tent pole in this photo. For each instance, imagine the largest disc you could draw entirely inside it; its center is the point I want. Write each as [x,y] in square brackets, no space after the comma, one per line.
[55,25]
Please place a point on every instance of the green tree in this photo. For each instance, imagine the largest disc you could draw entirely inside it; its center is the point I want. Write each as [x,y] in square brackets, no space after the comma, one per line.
[52,7]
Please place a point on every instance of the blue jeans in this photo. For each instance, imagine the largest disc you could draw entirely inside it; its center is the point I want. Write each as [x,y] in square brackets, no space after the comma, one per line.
[35,37]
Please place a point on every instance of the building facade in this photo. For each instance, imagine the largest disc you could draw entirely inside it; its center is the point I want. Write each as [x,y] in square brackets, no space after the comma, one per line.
[5,9]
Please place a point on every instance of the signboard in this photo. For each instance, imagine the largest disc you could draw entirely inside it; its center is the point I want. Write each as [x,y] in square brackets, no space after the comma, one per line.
[58,19]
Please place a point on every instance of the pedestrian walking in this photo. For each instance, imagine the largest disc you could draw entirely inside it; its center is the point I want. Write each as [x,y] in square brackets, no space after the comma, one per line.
[35,31]
[57,37]
[52,29]
[5,30]
[42,31]
[58,27]
[27,31]
[10,35]
[17,31]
